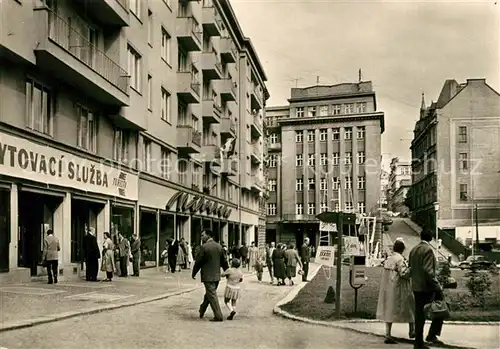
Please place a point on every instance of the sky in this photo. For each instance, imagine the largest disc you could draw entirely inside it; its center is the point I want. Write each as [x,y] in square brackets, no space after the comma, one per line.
[404,47]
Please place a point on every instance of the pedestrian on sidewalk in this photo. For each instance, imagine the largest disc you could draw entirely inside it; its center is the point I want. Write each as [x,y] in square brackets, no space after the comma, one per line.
[210,260]
[253,255]
[189,255]
[305,258]
[50,256]
[244,255]
[135,248]
[292,259]
[91,255]
[395,301]
[259,268]
[164,255]
[279,264]
[124,250]
[269,260]
[426,288]
[108,257]
[234,277]
[181,256]
[173,251]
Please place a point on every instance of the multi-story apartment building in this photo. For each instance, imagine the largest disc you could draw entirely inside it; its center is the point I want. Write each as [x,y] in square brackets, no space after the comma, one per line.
[456,156]
[399,183]
[324,154]
[129,116]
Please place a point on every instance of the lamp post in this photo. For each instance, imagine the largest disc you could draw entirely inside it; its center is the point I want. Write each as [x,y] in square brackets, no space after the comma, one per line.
[436,209]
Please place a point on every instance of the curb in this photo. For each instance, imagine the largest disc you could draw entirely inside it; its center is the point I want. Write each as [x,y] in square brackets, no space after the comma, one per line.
[345,324]
[15,325]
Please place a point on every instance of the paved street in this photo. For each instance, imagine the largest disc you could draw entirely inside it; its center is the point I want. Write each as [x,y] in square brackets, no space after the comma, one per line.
[174,323]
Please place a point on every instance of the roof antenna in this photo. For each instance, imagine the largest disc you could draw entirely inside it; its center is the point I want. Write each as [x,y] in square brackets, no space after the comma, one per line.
[359,75]
[317,80]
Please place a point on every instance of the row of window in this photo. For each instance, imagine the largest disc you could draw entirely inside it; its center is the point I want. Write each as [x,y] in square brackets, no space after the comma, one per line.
[334,109]
[323,185]
[323,135]
[311,208]
[323,159]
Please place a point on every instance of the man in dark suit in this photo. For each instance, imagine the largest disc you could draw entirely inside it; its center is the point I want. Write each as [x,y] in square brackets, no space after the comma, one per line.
[173,251]
[210,260]
[269,260]
[91,255]
[305,258]
[426,288]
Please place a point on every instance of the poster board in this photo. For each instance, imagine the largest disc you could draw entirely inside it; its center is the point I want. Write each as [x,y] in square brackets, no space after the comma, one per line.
[325,255]
[350,246]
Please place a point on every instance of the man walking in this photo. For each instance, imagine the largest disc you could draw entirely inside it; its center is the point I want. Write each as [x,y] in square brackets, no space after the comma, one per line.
[305,258]
[269,260]
[426,288]
[50,255]
[124,251]
[210,260]
[91,255]
[135,248]
[244,255]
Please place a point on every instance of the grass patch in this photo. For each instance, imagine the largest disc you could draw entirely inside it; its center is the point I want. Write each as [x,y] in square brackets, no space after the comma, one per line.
[310,300]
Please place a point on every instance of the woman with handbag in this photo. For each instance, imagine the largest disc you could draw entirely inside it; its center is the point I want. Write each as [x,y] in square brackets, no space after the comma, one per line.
[396,303]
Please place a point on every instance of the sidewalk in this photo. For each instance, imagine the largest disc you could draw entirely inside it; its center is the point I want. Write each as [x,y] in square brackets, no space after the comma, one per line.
[22,305]
[460,335]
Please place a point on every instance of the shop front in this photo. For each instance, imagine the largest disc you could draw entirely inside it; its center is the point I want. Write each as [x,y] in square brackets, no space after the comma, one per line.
[44,188]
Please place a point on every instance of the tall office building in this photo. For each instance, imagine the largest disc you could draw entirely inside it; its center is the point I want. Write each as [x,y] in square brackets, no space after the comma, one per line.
[456,157]
[324,154]
[128,116]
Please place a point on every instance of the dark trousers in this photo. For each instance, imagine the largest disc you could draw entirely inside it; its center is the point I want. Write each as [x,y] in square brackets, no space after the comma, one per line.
[212,299]
[270,269]
[91,269]
[172,262]
[305,270]
[135,265]
[421,299]
[52,267]
[109,275]
[123,266]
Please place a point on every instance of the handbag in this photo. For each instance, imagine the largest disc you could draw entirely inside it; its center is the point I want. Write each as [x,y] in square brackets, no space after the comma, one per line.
[450,283]
[437,310]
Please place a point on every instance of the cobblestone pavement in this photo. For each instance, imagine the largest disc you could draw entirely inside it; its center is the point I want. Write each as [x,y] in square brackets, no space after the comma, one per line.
[174,323]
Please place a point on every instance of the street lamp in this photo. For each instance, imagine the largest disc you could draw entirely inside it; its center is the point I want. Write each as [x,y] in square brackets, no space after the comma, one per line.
[436,209]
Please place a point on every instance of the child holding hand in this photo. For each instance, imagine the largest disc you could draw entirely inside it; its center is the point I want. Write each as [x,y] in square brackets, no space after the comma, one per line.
[234,277]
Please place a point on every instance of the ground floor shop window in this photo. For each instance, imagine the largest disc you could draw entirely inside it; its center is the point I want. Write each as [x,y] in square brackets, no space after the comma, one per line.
[4,229]
[196,228]
[148,238]
[216,228]
[166,229]
[83,219]
[122,222]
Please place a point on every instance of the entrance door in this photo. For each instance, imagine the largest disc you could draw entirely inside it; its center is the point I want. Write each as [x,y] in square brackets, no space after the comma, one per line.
[83,217]
[4,230]
[36,215]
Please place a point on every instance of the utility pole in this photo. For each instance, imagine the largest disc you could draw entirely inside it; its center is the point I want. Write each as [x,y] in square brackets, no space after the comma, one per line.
[317,80]
[477,230]
[339,262]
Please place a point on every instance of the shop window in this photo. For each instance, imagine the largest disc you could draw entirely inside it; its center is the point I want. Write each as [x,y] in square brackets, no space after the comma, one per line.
[4,230]
[166,229]
[148,239]
[122,221]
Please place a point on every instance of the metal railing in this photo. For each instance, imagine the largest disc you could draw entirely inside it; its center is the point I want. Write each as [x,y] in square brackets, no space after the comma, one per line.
[63,34]
[195,86]
[192,135]
[257,121]
[196,138]
[123,3]
[257,150]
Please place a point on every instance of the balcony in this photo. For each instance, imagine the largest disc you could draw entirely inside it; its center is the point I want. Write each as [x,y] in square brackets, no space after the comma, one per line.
[210,154]
[210,111]
[210,65]
[188,87]
[188,140]
[71,58]
[256,97]
[229,167]
[211,21]
[110,12]
[227,90]
[295,218]
[274,146]
[256,127]
[227,127]
[189,33]
[228,51]
[256,153]
[258,185]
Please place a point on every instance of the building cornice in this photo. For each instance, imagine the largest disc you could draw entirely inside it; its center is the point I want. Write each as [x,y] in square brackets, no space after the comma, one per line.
[334,119]
[331,97]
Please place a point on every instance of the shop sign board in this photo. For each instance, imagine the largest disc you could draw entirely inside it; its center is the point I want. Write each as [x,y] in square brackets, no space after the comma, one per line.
[25,159]
[197,204]
[350,246]
[325,255]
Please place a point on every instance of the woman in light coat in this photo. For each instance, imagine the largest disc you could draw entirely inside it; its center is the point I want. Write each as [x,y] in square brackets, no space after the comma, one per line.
[292,259]
[253,255]
[395,302]
[189,255]
[108,257]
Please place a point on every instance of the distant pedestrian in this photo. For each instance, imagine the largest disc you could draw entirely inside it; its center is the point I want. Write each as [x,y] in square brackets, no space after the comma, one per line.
[135,249]
[426,288]
[395,301]
[124,251]
[244,255]
[305,258]
[292,259]
[279,264]
[108,257]
[253,255]
[91,255]
[234,277]
[173,251]
[269,260]
[50,256]
[210,260]
[189,255]
[259,268]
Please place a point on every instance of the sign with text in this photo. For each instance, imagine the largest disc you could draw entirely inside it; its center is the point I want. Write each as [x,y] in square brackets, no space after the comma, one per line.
[330,227]
[350,246]
[325,255]
[26,159]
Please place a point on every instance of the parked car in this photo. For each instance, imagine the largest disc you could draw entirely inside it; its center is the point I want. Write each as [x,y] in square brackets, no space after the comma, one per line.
[476,262]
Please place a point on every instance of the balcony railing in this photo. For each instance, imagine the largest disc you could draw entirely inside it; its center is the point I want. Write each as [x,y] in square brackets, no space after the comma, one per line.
[234,88]
[218,108]
[123,3]
[195,26]
[86,52]
[196,87]
[257,149]
[299,217]
[195,84]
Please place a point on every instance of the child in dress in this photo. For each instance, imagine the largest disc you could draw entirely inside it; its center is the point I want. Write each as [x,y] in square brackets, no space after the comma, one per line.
[259,268]
[234,278]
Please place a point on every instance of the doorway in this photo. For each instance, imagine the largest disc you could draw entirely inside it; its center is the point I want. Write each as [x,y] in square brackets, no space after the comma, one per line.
[148,233]
[4,229]
[83,217]
[36,216]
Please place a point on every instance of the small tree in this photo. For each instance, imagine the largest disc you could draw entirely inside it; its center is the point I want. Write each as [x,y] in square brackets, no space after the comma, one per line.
[444,274]
[479,285]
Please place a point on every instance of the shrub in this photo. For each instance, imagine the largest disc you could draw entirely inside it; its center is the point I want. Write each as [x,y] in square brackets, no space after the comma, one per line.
[479,285]
[444,274]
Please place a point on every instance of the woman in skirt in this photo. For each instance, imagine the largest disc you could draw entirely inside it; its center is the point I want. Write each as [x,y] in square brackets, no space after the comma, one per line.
[234,278]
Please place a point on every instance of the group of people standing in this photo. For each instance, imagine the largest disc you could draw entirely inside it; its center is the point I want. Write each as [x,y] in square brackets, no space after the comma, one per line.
[177,255]
[407,286]
[282,262]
